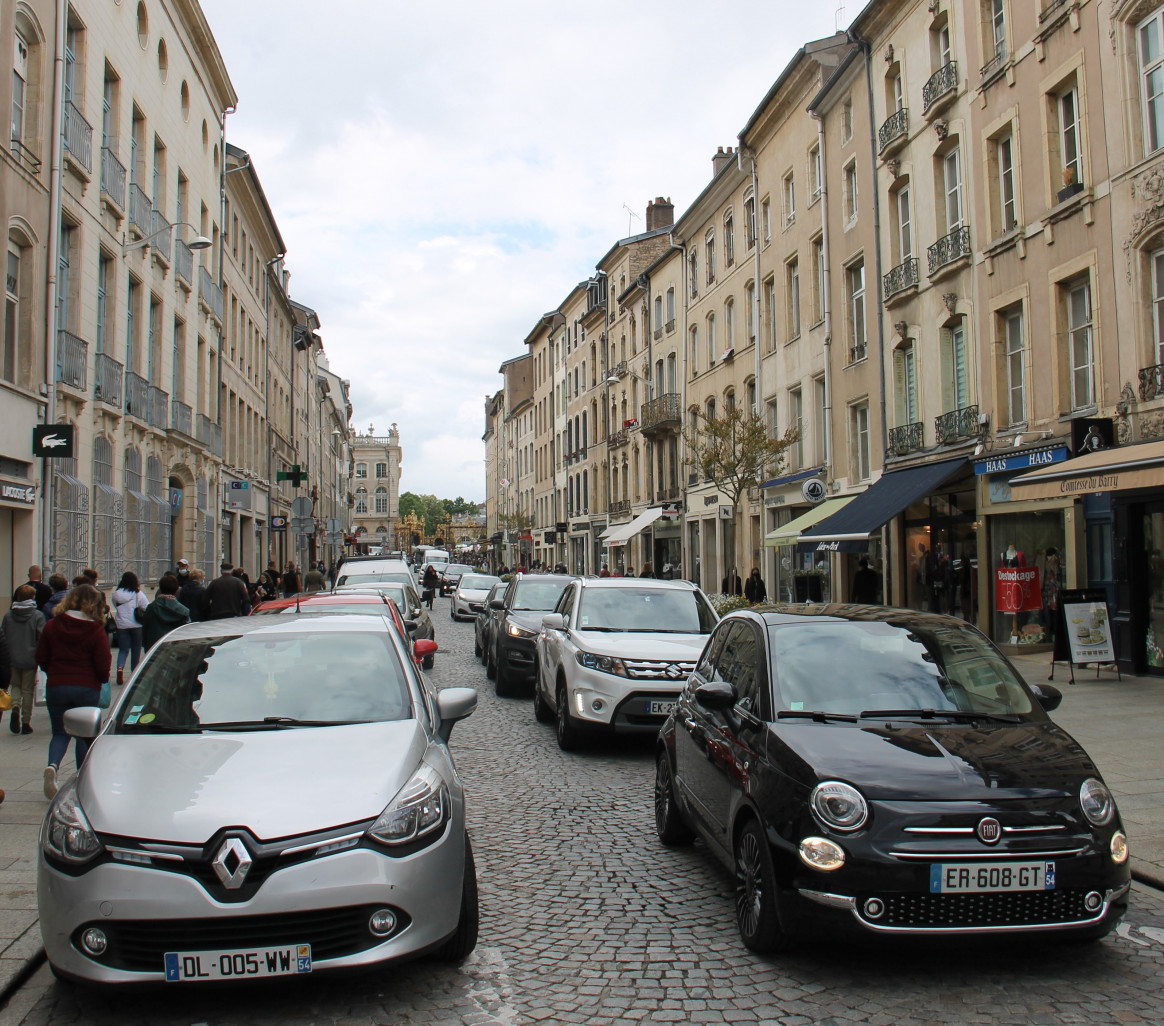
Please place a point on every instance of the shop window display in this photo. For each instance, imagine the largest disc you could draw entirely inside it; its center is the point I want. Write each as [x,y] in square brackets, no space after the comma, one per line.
[1029,571]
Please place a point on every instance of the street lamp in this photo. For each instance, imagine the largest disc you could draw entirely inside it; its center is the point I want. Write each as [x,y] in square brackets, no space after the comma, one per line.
[199,242]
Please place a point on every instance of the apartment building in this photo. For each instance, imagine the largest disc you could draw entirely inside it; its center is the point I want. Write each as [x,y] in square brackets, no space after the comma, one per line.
[376,463]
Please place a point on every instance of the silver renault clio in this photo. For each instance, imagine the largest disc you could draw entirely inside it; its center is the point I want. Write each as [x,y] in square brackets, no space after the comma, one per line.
[267,798]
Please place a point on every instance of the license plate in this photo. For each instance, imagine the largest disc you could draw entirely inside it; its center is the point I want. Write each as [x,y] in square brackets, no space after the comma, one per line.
[997,876]
[183,966]
[660,708]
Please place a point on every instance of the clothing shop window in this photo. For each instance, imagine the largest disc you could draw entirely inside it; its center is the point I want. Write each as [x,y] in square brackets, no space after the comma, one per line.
[1029,541]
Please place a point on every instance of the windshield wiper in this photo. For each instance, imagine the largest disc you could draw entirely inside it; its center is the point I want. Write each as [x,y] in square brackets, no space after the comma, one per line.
[277,723]
[818,715]
[157,728]
[937,714]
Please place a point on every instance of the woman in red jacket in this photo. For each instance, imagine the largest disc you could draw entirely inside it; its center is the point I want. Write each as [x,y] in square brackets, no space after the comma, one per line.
[74,652]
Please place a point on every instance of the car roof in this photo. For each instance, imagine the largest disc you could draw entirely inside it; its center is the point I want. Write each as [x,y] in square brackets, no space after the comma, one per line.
[564,578]
[635,582]
[790,614]
[236,625]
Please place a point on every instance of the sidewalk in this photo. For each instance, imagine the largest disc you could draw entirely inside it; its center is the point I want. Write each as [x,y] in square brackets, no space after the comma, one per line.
[1116,721]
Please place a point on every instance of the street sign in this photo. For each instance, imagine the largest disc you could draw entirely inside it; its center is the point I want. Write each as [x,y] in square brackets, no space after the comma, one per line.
[301,507]
[53,440]
[334,538]
[278,523]
[303,525]
[333,525]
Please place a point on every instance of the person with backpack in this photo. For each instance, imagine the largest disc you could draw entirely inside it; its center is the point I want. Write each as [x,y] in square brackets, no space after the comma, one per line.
[164,613]
[21,627]
[129,606]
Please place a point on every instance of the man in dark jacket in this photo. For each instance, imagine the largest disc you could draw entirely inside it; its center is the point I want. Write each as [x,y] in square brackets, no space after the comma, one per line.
[225,596]
[164,613]
[190,594]
[21,629]
[43,591]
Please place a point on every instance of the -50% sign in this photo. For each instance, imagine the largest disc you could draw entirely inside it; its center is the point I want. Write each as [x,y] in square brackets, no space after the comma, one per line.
[1017,590]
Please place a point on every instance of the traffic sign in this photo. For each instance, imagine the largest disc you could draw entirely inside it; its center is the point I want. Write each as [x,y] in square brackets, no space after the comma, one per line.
[334,538]
[334,525]
[301,507]
[303,525]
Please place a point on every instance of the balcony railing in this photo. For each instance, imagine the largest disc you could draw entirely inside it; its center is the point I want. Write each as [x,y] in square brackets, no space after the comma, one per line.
[141,210]
[907,438]
[210,293]
[1152,383]
[163,235]
[209,434]
[183,262]
[620,506]
[957,424]
[159,408]
[669,326]
[660,412]
[949,248]
[617,438]
[896,126]
[78,136]
[900,278]
[669,494]
[112,178]
[858,352]
[620,369]
[658,333]
[72,359]
[1050,7]
[182,418]
[137,396]
[1001,55]
[942,81]
[109,376]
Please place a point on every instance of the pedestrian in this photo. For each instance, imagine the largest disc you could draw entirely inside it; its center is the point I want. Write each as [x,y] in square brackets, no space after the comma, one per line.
[241,574]
[129,605]
[74,652]
[314,580]
[432,581]
[21,627]
[164,613]
[754,590]
[732,585]
[190,594]
[866,583]
[291,583]
[332,572]
[629,572]
[182,572]
[60,587]
[272,577]
[6,668]
[605,571]
[93,578]
[647,570]
[43,591]
[225,596]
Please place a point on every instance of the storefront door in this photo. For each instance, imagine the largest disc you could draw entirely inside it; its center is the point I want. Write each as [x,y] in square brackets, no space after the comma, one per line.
[1153,598]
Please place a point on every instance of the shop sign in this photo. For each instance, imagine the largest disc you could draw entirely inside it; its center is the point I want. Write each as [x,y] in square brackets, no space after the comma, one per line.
[814,490]
[726,513]
[1088,633]
[25,494]
[551,537]
[581,527]
[278,523]
[1017,590]
[1021,461]
[53,441]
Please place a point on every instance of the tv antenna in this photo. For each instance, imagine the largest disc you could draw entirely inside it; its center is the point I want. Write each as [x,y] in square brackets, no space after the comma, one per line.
[631,217]
[840,12]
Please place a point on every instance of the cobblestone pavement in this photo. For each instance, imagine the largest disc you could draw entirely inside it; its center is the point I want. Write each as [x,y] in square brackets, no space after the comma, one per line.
[586,918]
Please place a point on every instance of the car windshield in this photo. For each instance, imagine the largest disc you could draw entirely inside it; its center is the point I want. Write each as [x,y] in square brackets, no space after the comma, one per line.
[263,681]
[538,595]
[478,582]
[668,610]
[457,568]
[858,667]
[398,577]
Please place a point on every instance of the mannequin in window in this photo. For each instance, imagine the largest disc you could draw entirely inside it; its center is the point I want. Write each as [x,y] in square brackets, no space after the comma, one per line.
[1013,557]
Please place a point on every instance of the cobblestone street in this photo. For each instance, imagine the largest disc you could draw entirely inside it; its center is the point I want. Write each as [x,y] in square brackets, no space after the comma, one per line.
[587,918]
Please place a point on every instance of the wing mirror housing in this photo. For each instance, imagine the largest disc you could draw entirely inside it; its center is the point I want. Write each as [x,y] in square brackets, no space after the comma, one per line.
[497,604]
[83,721]
[1049,697]
[716,694]
[554,621]
[454,704]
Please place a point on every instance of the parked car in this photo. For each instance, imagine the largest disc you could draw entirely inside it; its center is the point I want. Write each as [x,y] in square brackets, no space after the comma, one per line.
[451,576]
[528,597]
[356,577]
[615,653]
[416,617]
[470,594]
[387,563]
[486,622]
[889,771]
[269,797]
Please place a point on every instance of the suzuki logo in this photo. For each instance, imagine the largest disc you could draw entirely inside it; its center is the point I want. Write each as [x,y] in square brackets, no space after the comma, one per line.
[232,863]
[989,830]
[674,671]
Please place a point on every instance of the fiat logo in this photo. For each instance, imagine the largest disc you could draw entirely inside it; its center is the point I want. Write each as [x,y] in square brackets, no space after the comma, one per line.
[989,830]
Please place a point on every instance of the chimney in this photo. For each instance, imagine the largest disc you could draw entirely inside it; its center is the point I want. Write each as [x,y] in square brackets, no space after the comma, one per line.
[722,156]
[660,213]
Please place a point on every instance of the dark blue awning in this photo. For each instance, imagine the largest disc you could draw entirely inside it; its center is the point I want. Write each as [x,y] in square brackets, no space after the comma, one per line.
[848,530]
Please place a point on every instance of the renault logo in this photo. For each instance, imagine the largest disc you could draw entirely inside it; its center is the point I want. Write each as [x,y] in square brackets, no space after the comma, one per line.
[989,830]
[232,863]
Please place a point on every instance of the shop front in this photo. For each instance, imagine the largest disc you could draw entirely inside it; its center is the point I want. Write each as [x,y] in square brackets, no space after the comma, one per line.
[798,575]
[666,543]
[17,533]
[579,546]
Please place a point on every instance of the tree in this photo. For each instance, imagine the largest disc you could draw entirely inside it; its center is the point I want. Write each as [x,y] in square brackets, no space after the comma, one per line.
[735,453]
[433,511]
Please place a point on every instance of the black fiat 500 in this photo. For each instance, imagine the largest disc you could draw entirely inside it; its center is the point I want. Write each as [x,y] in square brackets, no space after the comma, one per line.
[886,769]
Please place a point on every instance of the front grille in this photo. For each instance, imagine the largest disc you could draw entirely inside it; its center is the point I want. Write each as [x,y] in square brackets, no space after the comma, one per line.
[139,945]
[961,911]
[658,669]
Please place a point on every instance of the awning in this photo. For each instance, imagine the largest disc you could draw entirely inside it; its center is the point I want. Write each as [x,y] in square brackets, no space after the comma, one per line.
[611,529]
[1108,470]
[625,532]
[788,479]
[788,534]
[849,530]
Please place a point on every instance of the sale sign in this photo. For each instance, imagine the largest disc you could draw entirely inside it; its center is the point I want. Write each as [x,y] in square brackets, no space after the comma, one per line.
[1017,590]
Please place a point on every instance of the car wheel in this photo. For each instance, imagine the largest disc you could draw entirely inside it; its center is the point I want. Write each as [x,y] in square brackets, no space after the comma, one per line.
[490,664]
[465,939]
[502,680]
[567,730]
[759,902]
[669,823]
[476,646]
[453,612]
[542,712]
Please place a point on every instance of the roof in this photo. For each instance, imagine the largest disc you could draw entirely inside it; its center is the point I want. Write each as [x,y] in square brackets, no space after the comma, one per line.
[245,162]
[789,614]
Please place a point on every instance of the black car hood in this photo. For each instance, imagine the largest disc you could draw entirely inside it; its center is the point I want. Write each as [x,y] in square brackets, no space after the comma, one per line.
[938,762]
[530,619]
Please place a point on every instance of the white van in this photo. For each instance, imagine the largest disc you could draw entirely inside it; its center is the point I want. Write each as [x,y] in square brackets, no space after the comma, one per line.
[436,556]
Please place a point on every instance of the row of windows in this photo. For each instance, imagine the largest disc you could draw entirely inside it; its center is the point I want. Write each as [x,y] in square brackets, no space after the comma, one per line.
[362,470]
[380,500]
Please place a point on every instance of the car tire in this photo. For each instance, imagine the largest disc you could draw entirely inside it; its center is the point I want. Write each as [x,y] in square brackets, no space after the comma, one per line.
[569,736]
[502,681]
[490,664]
[464,940]
[672,829]
[761,907]
[542,712]
[453,613]
[476,646]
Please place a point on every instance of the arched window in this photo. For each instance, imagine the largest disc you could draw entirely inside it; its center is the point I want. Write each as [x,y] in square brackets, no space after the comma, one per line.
[381,499]
[361,500]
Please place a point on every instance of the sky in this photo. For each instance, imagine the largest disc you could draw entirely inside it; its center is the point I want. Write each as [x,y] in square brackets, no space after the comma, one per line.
[444,173]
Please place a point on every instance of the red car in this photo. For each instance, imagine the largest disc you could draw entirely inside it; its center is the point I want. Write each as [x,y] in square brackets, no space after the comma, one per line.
[325,602]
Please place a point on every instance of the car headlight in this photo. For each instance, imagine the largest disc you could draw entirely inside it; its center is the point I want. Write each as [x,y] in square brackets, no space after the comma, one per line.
[607,664]
[840,806]
[1097,802]
[514,631]
[421,807]
[66,834]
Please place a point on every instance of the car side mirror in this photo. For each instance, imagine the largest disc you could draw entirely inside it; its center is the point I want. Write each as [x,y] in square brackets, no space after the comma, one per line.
[454,704]
[1049,697]
[554,622]
[497,604]
[83,721]
[716,694]
[424,647]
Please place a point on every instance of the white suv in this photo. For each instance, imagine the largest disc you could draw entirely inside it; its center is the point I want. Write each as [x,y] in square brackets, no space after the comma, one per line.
[616,652]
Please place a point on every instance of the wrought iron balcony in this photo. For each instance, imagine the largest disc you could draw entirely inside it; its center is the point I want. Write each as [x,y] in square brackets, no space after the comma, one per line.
[658,333]
[858,352]
[941,82]
[159,408]
[209,434]
[77,136]
[957,424]
[137,396]
[1152,383]
[210,293]
[895,127]
[182,418]
[619,506]
[617,438]
[900,278]
[72,359]
[141,210]
[1050,7]
[907,438]
[183,262]
[620,369]
[660,413]
[112,178]
[995,64]
[108,377]
[162,231]
[669,326]
[949,248]
[670,493]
